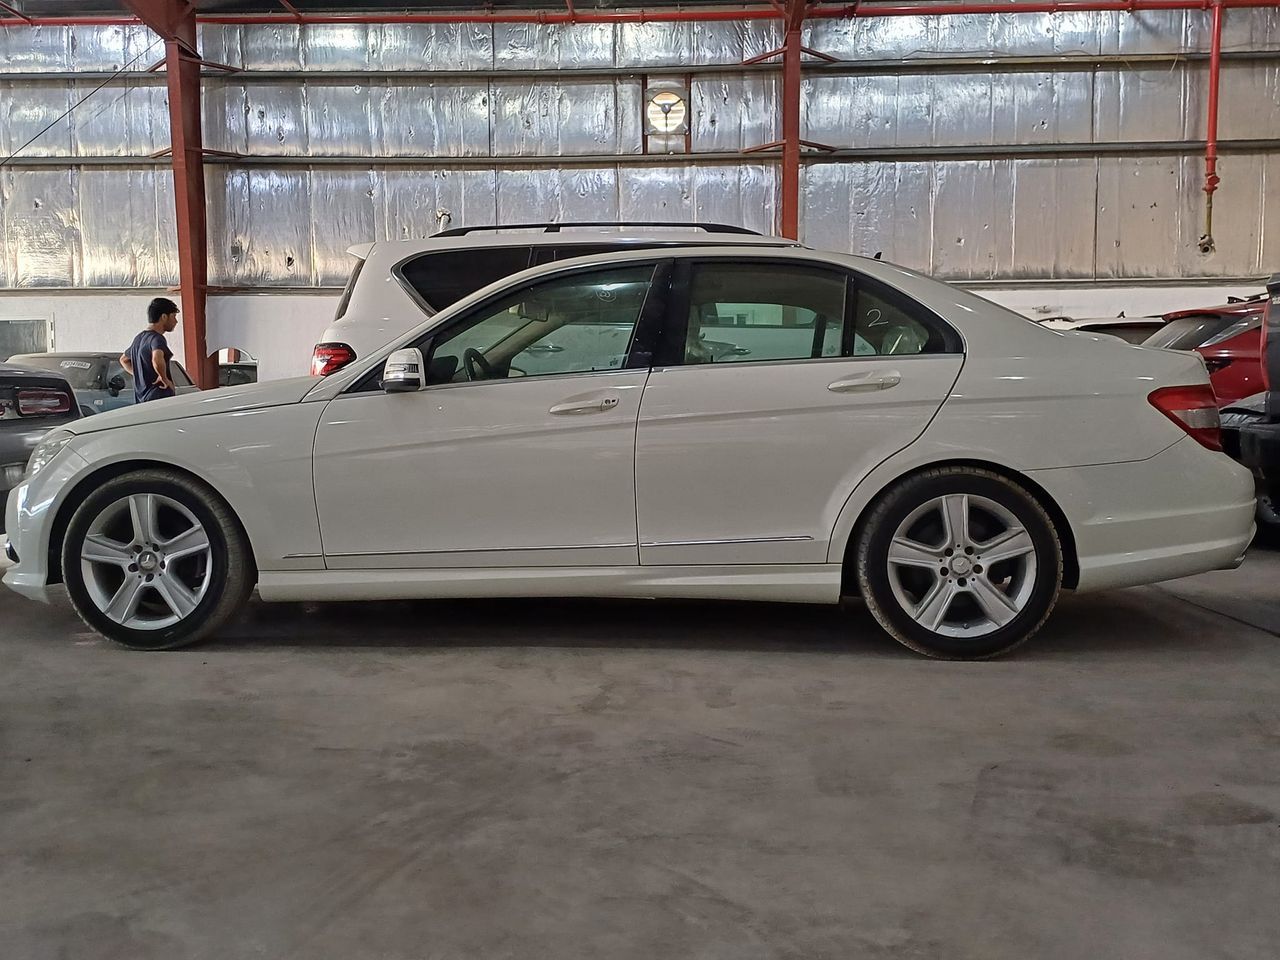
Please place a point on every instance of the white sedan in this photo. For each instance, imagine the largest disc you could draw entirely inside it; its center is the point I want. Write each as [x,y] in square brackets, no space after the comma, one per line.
[775,424]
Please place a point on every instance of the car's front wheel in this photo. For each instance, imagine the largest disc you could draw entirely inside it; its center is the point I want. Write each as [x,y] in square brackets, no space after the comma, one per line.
[155,561]
[959,563]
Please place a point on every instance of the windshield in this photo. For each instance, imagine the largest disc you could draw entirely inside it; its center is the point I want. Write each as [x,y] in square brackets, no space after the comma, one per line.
[1187,333]
[83,373]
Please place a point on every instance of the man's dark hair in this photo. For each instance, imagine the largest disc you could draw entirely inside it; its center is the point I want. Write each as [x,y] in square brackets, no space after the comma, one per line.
[159,307]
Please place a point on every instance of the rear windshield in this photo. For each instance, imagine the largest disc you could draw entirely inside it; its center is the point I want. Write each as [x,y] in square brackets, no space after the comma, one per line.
[83,373]
[1187,333]
[440,279]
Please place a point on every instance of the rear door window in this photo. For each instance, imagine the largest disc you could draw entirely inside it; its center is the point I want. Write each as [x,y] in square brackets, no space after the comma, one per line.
[441,279]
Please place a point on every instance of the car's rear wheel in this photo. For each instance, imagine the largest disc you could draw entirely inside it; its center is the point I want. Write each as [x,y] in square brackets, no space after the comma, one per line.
[154,561]
[959,563]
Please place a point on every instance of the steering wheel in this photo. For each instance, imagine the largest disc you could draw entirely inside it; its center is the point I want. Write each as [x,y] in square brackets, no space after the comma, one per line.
[477,367]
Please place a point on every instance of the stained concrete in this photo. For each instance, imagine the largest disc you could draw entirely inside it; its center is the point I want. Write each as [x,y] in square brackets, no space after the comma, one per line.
[627,780]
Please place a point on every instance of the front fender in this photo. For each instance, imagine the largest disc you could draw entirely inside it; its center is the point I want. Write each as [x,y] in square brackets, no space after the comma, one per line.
[259,461]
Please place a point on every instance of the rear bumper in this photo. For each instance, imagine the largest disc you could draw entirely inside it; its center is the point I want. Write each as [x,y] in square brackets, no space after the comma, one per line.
[1185,511]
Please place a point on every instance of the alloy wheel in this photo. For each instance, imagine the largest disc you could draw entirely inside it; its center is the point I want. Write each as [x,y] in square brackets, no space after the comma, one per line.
[146,561]
[962,565]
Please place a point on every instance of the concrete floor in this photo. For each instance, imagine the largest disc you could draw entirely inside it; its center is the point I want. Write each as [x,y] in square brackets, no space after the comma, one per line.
[625,780]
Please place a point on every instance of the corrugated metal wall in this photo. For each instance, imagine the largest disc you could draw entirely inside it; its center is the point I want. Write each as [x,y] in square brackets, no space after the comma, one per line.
[287,222]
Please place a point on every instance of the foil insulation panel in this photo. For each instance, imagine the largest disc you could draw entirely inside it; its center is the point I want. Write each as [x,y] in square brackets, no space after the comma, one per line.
[286,225]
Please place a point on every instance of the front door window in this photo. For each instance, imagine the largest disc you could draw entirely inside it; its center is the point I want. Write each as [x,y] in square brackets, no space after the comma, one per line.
[581,323]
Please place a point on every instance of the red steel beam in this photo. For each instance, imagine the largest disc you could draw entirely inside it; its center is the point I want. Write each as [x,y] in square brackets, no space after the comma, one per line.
[789,220]
[868,9]
[946,9]
[175,22]
[16,12]
[662,16]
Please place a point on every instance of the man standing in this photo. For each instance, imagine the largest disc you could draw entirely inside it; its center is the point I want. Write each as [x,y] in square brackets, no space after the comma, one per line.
[147,359]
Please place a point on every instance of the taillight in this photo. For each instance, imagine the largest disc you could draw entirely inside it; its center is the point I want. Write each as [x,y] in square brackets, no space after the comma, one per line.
[1194,409]
[329,358]
[43,402]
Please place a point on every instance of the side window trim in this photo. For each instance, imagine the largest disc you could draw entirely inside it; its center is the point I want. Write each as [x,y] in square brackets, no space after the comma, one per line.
[910,306]
[650,322]
[671,352]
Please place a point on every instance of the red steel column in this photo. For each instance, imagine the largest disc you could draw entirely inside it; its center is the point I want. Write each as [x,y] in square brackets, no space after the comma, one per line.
[790,225]
[175,22]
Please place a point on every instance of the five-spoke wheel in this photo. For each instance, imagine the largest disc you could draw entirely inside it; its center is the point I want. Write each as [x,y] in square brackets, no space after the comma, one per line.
[155,560]
[959,562]
[145,561]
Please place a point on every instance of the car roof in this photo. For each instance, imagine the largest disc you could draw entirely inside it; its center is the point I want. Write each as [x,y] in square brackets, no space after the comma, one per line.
[18,372]
[79,355]
[623,236]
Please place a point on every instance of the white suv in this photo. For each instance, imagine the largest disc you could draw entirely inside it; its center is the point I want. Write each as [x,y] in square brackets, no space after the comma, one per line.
[430,274]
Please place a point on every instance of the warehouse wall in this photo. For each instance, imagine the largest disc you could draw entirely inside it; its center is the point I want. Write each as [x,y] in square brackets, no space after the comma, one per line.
[328,157]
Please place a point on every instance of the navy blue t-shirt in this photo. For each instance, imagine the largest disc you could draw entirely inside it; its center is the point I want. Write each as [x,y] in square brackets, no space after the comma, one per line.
[144,371]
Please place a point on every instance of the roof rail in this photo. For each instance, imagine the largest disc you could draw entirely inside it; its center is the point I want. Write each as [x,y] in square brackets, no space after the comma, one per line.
[557,227]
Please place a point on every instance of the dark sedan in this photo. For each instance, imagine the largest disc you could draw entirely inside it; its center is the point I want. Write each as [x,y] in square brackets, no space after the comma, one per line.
[99,381]
[32,402]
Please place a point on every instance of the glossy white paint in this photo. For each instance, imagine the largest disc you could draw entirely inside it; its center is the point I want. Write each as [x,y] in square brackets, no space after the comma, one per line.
[751,462]
[405,479]
[479,468]
[1173,515]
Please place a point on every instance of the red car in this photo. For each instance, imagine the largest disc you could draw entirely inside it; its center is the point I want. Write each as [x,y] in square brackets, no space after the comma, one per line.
[1228,337]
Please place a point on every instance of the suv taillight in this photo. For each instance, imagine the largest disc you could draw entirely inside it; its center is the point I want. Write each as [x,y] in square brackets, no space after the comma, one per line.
[43,402]
[329,358]
[1194,409]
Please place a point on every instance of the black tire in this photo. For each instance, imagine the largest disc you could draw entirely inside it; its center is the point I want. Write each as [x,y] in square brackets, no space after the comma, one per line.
[231,569]
[1268,518]
[872,567]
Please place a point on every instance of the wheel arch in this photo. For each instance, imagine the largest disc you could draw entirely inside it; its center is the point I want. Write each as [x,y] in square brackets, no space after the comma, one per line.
[86,484]
[1070,556]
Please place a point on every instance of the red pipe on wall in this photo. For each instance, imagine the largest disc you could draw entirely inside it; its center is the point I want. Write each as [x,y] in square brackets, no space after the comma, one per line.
[1211,128]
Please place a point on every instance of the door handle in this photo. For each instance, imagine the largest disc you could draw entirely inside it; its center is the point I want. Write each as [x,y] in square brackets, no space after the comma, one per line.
[593,405]
[868,382]
[544,348]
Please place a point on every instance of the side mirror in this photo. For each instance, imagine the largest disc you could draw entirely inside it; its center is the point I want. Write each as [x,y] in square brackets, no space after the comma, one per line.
[403,371]
[115,385]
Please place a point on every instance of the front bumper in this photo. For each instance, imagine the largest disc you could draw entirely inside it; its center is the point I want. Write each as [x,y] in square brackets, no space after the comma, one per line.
[29,514]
